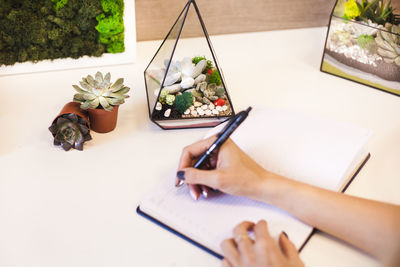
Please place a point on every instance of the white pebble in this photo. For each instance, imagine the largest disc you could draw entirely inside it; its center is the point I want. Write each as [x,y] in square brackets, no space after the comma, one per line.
[200,111]
[191,108]
[204,107]
[194,112]
[214,111]
[208,112]
[197,104]
[187,112]
[159,106]
[224,107]
[167,113]
[211,106]
[218,108]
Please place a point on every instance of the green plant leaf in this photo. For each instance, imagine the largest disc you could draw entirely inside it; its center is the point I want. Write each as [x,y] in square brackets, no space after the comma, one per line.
[90,80]
[85,86]
[99,77]
[79,90]
[117,85]
[123,90]
[107,79]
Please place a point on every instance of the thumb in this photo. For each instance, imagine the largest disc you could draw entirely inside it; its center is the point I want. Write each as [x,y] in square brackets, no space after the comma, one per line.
[197,176]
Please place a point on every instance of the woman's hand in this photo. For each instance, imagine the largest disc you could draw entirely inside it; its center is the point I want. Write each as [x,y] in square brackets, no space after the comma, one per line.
[232,170]
[242,251]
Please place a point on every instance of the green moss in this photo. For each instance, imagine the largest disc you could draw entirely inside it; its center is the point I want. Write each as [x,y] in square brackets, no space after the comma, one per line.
[59,3]
[34,30]
[215,78]
[183,102]
[111,25]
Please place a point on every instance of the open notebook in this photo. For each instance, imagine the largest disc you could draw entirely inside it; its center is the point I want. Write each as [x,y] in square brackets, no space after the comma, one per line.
[310,149]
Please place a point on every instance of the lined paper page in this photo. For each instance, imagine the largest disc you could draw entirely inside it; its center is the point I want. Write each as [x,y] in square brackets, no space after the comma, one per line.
[210,221]
[301,147]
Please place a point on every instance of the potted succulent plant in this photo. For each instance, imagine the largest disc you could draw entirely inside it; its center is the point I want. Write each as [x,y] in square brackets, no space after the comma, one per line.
[70,128]
[101,99]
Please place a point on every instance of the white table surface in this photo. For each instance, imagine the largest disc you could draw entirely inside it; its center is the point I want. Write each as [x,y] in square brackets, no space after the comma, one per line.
[78,208]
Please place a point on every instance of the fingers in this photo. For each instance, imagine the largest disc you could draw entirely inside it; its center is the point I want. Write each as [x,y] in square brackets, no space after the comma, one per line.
[261,231]
[264,242]
[242,239]
[287,247]
[210,178]
[191,152]
[230,252]
[194,150]
[225,263]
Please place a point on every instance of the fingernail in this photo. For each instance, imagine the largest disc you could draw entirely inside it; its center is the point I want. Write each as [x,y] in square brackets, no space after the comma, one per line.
[193,195]
[204,193]
[179,183]
[180,175]
[285,234]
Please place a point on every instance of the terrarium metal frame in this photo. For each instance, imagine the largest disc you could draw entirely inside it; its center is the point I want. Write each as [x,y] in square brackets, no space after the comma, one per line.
[152,110]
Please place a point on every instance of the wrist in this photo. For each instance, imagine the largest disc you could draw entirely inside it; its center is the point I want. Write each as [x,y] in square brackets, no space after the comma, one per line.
[272,188]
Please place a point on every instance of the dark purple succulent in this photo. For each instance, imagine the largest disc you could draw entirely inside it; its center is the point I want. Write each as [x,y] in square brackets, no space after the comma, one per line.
[70,131]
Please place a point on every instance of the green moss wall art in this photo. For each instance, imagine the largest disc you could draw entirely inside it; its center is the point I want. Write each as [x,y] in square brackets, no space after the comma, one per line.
[38,30]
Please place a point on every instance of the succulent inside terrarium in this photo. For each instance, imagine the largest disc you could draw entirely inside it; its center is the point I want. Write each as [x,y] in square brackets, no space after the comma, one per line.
[192,88]
[70,131]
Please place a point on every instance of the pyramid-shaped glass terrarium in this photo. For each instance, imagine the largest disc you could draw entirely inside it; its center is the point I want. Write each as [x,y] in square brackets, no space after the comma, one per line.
[184,84]
[363,43]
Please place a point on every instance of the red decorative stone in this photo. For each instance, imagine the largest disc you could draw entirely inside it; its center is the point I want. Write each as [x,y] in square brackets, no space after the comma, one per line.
[210,71]
[219,102]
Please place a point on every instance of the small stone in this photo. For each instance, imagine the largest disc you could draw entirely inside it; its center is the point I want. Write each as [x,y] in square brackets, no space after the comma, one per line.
[197,104]
[214,111]
[193,112]
[211,106]
[204,107]
[224,107]
[167,113]
[159,106]
[200,111]
[208,112]
[218,108]
[191,108]
[187,112]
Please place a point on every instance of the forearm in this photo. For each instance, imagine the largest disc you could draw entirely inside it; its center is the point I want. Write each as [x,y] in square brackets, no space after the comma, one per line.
[369,225]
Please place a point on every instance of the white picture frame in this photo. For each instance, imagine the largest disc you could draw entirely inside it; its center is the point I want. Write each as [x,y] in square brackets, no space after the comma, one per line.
[129,56]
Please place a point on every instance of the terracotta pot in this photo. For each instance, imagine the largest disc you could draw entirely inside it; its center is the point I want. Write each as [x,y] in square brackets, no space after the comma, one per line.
[103,121]
[74,107]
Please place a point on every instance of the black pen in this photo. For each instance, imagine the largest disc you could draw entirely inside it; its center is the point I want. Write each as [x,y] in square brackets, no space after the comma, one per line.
[222,136]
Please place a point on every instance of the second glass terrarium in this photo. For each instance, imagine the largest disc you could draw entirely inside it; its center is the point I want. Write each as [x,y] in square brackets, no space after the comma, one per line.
[363,44]
[185,85]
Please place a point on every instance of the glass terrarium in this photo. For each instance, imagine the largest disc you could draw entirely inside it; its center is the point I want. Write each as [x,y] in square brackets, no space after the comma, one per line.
[363,44]
[185,85]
